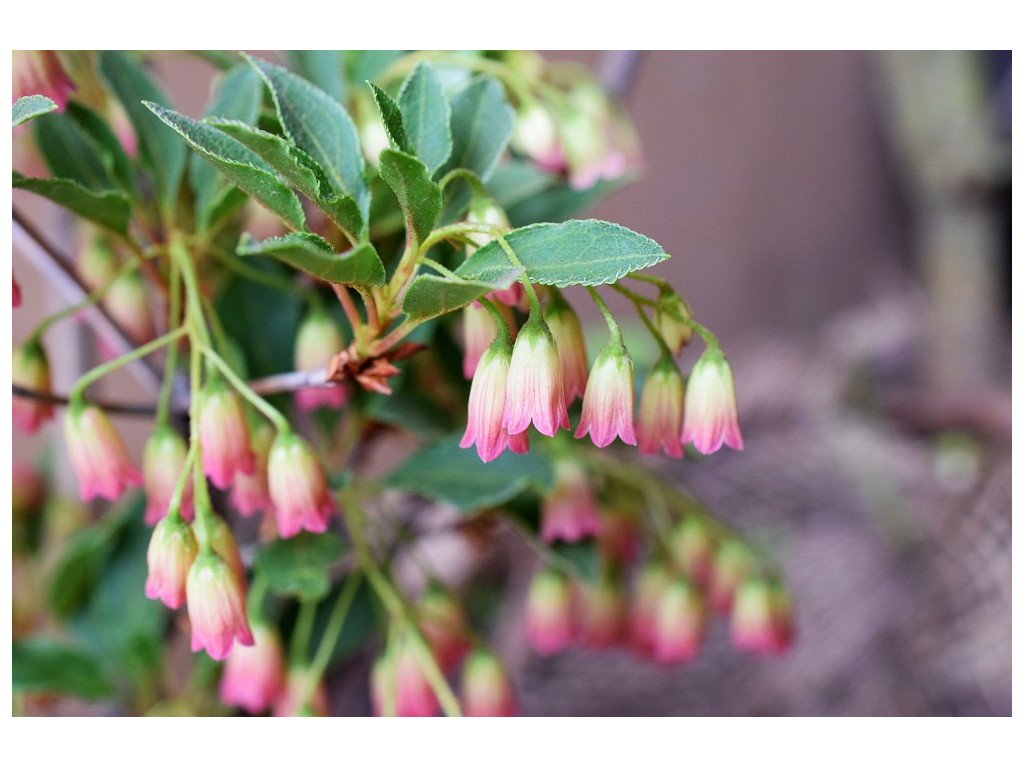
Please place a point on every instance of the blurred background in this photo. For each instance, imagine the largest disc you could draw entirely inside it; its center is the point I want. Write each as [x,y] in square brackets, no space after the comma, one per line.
[842,221]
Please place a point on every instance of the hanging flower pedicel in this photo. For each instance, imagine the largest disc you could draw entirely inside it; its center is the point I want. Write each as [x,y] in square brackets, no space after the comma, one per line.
[97,454]
[661,410]
[216,607]
[534,392]
[298,488]
[172,550]
[30,368]
[710,412]
[608,402]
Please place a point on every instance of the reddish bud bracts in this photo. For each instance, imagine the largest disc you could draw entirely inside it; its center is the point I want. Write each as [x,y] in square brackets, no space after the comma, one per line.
[732,564]
[298,487]
[444,626]
[487,407]
[762,617]
[98,454]
[536,136]
[172,550]
[41,72]
[317,342]
[570,513]
[710,412]
[486,688]
[643,619]
[661,410]
[680,623]
[670,320]
[302,697]
[534,392]
[251,493]
[605,614]
[549,619]
[163,461]
[254,675]
[478,333]
[692,547]
[224,435]
[30,368]
[572,349]
[216,607]
[608,402]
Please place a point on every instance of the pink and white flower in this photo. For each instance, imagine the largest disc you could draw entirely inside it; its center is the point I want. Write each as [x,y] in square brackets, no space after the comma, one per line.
[488,393]
[216,607]
[570,513]
[444,626]
[398,677]
[680,623]
[572,349]
[478,333]
[224,435]
[534,392]
[254,675]
[549,613]
[251,493]
[733,563]
[661,410]
[710,412]
[41,72]
[163,461]
[762,617]
[172,550]
[317,342]
[98,454]
[605,614]
[486,688]
[608,402]
[643,619]
[30,368]
[692,548]
[298,487]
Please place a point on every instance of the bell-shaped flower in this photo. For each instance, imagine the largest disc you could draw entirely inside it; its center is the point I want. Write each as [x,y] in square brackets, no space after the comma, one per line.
[486,688]
[444,626]
[549,612]
[298,487]
[172,550]
[485,426]
[30,368]
[478,333]
[534,393]
[643,618]
[661,410]
[608,402]
[163,461]
[762,617]
[670,318]
[317,342]
[398,678]
[733,563]
[605,620]
[710,411]
[251,493]
[692,547]
[572,349]
[570,513]
[224,435]
[680,624]
[97,453]
[216,607]
[254,675]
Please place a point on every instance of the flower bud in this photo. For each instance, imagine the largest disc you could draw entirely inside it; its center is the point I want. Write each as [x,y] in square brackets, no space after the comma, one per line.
[732,564]
[251,493]
[674,331]
[661,410]
[222,541]
[163,461]
[253,676]
[643,620]
[216,607]
[41,72]
[692,547]
[680,623]
[30,368]
[129,304]
[710,412]
[97,454]
[762,617]
[478,333]
[536,136]
[298,487]
[605,614]
[570,512]
[486,410]
[224,435]
[486,688]
[398,675]
[297,701]
[317,343]
[534,391]
[572,349]
[172,550]
[608,402]
[444,626]
[97,263]
[549,619]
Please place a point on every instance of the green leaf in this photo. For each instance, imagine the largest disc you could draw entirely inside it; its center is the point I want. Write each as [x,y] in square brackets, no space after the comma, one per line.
[28,107]
[78,569]
[417,193]
[108,209]
[238,95]
[435,295]
[105,142]
[312,254]
[481,122]
[69,154]
[578,252]
[391,116]
[445,472]
[366,65]
[325,69]
[39,665]
[581,557]
[241,166]
[298,567]
[159,151]
[319,125]
[426,116]
[299,170]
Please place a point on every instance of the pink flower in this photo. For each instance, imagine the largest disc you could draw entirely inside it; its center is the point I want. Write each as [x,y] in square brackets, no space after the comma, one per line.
[251,493]
[762,617]
[30,368]
[397,676]
[570,513]
[487,406]
[643,619]
[444,626]
[572,349]
[680,623]
[222,541]
[97,454]
[605,614]
[534,390]
[317,343]
[224,435]
[172,550]
[41,72]
[163,461]
[129,303]
[486,688]
[661,410]
[732,564]
[478,332]
[254,676]
[608,402]
[710,412]
[536,136]
[216,607]
[298,487]
[302,697]
[692,548]
[549,619]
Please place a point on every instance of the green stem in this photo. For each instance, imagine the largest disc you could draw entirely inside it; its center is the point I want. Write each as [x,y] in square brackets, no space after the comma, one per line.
[257,592]
[301,633]
[201,493]
[479,190]
[504,334]
[662,345]
[274,415]
[609,318]
[171,363]
[102,370]
[658,281]
[709,338]
[441,268]
[531,294]
[332,633]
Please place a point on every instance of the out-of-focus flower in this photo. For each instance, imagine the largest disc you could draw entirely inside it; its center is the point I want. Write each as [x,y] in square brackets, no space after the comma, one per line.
[28,489]
[618,540]
[608,402]
[30,368]
[680,623]
[692,547]
[643,619]
[397,676]
[254,675]
[444,626]
[661,410]
[732,564]
[318,340]
[570,513]
[296,701]
[163,461]
[172,550]
[298,487]
[224,435]
[762,617]
[251,493]
[486,688]
[41,72]
[710,412]
[216,607]
[534,392]
[97,454]
[605,614]
[536,136]
[549,612]
[129,303]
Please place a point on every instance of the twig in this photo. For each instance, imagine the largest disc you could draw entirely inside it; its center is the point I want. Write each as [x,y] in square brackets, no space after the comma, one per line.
[141,409]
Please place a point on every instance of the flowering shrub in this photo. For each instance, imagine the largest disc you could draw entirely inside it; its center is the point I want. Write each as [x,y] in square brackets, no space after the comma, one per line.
[299,264]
